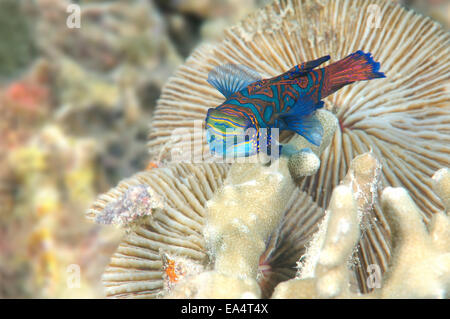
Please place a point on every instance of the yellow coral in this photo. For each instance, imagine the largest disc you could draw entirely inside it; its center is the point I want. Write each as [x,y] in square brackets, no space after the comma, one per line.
[79,183]
[46,200]
[28,160]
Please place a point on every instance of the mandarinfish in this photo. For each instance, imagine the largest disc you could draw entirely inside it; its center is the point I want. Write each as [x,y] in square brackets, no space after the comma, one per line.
[244,123]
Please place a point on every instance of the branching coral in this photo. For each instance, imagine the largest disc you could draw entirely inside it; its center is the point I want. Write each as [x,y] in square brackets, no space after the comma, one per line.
[324,267]
[237,240]
[420,263]
[166,254]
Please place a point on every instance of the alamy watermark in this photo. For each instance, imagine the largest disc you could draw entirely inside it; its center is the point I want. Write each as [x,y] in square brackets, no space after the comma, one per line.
[74,19]
[73,276]
[374,19]
[374,279]
[188,145]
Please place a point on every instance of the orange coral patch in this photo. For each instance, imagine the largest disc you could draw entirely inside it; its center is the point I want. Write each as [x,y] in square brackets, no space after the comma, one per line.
[170,271]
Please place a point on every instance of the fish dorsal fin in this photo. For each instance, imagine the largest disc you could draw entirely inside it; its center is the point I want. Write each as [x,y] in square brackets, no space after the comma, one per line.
[231,78]
[304,68]
[308,66]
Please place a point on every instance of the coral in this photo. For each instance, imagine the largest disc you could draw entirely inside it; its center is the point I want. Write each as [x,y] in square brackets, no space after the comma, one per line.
[420,264]
[324,266]
[223,255]
[235,240]
[307,161]
[139,268]
[81,89]
[217,285]
[111,33]
[154,261]
[24,102]
[439,10]
[172,252]
[176,268]
[441,185]
[75,123]
[53,175]
[137,202]
[402,119]
[227,236]
[219,230]
[107,74]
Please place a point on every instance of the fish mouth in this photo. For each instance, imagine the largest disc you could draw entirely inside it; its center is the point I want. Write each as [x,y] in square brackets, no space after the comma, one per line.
[212,142]
[209,137]
[221,147]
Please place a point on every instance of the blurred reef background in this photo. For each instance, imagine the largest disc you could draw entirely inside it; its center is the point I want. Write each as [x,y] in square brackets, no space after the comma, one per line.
[76,105]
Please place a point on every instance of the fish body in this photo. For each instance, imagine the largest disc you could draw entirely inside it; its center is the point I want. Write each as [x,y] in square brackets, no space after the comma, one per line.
[243,123]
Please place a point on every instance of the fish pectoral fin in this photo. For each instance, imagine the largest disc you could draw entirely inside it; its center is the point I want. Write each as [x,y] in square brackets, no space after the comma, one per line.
[302,120]
[302,107]
[309,127]
[231,78]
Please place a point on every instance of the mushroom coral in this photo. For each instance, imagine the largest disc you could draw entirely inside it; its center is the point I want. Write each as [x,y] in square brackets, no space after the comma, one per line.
[173,225]
[403,119]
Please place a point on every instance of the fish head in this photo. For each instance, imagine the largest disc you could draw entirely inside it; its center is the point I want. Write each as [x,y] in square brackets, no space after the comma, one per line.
[230,134]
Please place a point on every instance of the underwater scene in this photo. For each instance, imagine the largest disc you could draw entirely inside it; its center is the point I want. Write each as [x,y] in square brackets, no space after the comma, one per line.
[216,149]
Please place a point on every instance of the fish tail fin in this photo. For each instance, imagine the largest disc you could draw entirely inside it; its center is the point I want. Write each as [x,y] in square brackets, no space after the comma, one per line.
[302,120]
[358,66]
